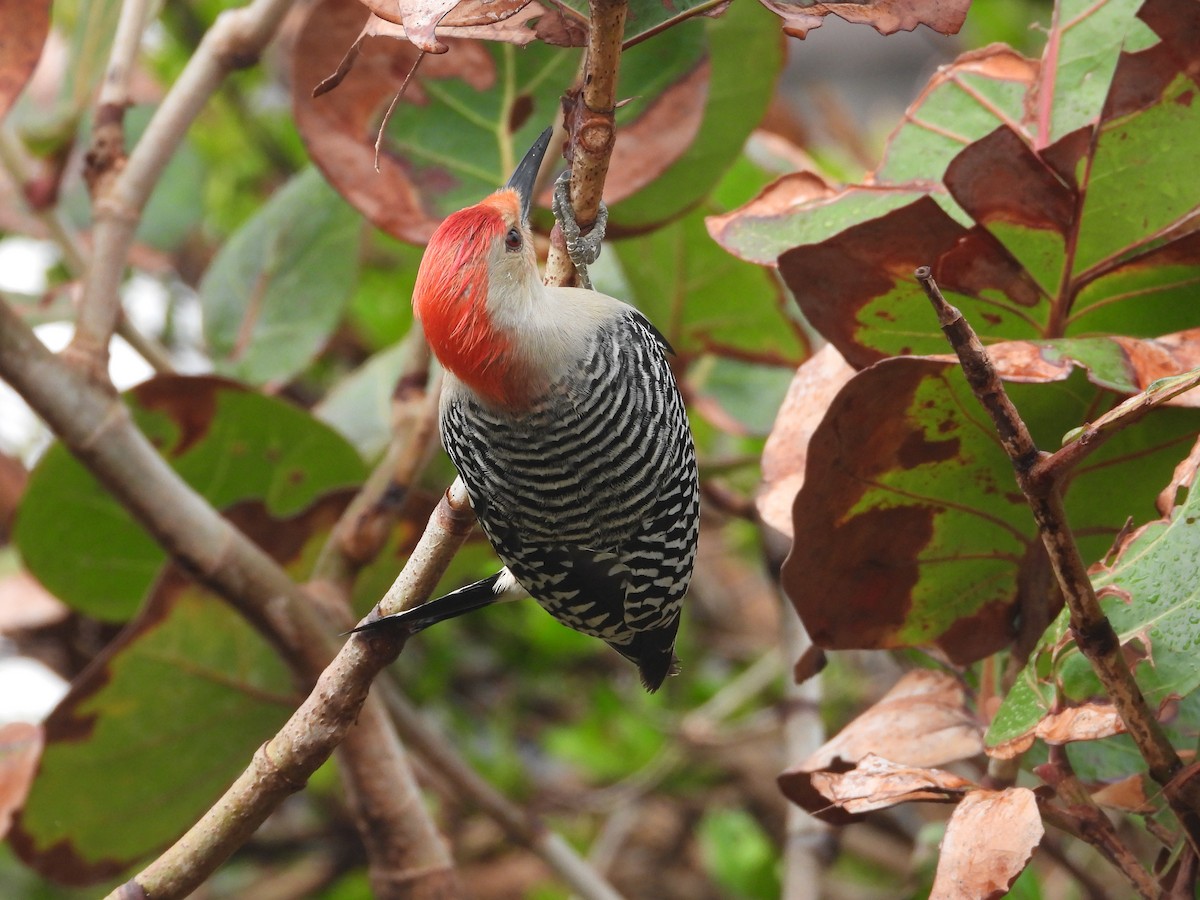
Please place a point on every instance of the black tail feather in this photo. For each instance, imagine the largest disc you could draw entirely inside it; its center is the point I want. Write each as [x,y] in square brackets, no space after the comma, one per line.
[456,603]
[653,652]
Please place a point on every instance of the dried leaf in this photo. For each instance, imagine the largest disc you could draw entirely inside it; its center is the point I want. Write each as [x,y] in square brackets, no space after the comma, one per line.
[923,721]
[811,392]
[885,16]
[1127,795]
[877,783]
[988,842]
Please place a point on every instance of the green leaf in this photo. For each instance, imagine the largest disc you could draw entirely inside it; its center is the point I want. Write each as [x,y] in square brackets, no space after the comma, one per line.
[1150,595]
[277,288]
[1085,41]
[688,104]
[164,719]
[962,102]
[705,300]
[360,405]
[738,854]
[737,98]
[227,443]
[1088,235]
[910,529]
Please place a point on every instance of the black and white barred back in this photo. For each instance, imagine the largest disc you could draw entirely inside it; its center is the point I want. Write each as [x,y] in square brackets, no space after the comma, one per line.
[591,498]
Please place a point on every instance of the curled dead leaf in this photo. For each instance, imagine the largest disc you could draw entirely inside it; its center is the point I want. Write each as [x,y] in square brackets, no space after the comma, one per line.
[921,722]
[878,783]
[885,16]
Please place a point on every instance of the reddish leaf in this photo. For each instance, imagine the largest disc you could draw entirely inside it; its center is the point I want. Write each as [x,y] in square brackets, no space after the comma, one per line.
[909,530]
[339,129]
[26,24]
[988,842]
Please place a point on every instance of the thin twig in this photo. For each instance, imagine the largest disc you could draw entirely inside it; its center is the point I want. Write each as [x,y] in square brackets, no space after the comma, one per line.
[591,125]
[235,41]
[1093,633]
[1077,814]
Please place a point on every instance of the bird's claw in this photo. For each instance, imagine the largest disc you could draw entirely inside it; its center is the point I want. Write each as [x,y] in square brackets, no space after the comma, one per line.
[583,249]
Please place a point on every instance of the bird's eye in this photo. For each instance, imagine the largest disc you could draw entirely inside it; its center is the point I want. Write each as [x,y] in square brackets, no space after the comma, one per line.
[512,240]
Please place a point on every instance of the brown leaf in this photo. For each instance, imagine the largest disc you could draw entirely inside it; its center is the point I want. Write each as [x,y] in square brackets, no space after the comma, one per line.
[510,21]
[20,750]
[811,392]
[339,129]
[999,179]
[988,842]
[1085,722]
[1183,476]
[885,16]
[26,24]
[1127,795]
[877,783]
[921,722]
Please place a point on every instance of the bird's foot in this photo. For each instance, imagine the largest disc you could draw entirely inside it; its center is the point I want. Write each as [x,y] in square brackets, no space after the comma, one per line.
[584,249]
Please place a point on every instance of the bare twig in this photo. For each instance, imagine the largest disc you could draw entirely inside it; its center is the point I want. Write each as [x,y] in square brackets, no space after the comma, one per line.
[1077,814]
[1093,633]
[122,186]
[589,112]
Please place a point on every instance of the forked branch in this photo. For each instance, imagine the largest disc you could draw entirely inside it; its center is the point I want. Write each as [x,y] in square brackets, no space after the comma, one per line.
[1093,633]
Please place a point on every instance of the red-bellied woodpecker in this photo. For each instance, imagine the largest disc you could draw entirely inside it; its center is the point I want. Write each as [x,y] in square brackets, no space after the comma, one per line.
[564,420]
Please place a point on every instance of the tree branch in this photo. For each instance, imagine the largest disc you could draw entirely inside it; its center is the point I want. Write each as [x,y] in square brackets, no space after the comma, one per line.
[1093,633]
[589,111]
[96,426]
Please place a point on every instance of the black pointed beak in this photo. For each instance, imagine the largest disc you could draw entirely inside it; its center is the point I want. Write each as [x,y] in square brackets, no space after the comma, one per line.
[525,175]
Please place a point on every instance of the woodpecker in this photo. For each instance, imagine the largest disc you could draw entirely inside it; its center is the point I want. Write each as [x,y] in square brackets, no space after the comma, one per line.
[563,417]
